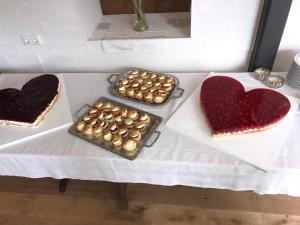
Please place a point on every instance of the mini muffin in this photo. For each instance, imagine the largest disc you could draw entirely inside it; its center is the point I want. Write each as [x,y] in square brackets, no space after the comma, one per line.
[122,90]
[133,114]
[141,126]
[114,128]
[109,117]
[148,83]
[167,86]
[123,132]
[93,122]
[148,97]
[135,135]
[107,107]
[135,75]
[145,76]
[119,120]
[80,126]
[128,123]
[157,84]
[152,89]
[124,112]
[98,131]
[130,146]
[139,95]
[88,130]
[98,105]
[145,118]
[116,110]
[158,98]
[93,111]
[130,92]
[116,140]
[107,135]
[101,116]
[86,118]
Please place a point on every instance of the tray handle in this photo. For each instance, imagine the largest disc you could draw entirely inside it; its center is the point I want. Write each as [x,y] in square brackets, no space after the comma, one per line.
[76,114]
[112,78]
[155,139]
[178,93]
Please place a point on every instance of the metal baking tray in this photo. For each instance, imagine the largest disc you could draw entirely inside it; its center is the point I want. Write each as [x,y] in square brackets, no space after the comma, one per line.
[115,80]
[150,131]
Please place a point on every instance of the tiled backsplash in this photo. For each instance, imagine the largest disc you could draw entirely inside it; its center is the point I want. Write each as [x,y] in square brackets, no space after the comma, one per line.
[222,38]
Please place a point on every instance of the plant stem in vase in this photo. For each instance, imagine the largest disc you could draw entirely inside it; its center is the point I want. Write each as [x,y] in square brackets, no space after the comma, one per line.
[141,23]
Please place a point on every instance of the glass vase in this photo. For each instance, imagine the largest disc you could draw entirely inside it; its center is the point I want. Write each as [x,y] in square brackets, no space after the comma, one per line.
[140,23]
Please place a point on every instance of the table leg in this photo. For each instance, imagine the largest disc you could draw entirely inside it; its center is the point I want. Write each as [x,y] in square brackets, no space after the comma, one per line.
[63,185]
[122,195]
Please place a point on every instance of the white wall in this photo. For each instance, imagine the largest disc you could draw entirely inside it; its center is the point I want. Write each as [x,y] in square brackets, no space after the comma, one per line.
[290,42]
[222,39]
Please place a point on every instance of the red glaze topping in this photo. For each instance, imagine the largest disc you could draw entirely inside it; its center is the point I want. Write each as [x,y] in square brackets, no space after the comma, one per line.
[229,109]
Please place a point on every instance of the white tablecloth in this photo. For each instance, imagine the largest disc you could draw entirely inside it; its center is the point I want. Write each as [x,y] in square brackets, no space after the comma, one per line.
[173,160]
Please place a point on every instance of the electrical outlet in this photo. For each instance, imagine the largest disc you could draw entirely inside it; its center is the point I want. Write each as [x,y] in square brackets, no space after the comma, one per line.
[29,39]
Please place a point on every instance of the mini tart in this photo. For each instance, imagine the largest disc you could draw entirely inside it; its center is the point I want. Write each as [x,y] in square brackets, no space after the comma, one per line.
[141,126]
[130,146]
[107,107]
[135,85]
[139,95]
[107,135]
[109,117]
[103,124]
[133,114]
[114,128]
[98,105]
[124,112]
[148,97]
[123,132]
[130,77]
[93,122]
[148,83]
[170,80]
[93,111]
[130,92]
[122,90]
[80,126]
[134,72]
[128,123]
[88,129]
[143,88]
[116,110]
[161,79]
[98,131]
[119,120]
[117,140]
[157,84]
[159,98]
[152,89]
[153,77]
[135,135]
[140,80]
[125,81]
[86,118]
[145,118]
[101,116]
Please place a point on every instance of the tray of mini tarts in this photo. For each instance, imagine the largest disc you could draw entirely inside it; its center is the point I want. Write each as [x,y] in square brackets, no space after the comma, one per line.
[117,127]
[145,86]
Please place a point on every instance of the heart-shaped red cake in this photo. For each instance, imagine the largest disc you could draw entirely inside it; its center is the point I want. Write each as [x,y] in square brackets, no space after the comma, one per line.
[28,106]
[229,109]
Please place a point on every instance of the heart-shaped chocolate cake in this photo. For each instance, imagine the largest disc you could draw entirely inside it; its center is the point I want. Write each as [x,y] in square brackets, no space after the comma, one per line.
[229,109]
[28,106]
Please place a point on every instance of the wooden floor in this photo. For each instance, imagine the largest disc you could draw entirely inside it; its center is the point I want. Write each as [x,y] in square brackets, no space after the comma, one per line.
[38,202]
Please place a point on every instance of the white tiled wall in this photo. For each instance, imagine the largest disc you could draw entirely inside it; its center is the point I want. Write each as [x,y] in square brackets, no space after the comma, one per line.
[222,38]
[290,42]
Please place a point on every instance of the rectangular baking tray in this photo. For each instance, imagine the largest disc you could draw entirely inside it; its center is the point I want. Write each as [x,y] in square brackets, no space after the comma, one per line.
[151,130]
[115,79]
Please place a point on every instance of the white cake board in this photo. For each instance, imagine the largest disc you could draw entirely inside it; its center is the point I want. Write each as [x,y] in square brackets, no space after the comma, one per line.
[59,115]
[257,149]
